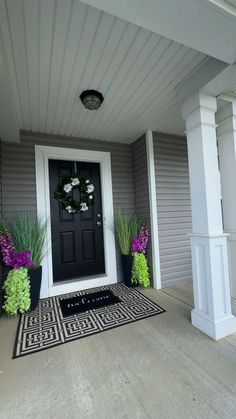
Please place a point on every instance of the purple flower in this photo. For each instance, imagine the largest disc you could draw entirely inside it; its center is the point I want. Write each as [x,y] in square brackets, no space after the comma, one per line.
[10,256]
[140,242]
[7,247]
[144,235]
[21,259]
[136,244]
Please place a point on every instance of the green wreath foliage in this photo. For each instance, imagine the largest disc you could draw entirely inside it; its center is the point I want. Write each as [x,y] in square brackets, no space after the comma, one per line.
[17,288]
[87,193]
[140,273]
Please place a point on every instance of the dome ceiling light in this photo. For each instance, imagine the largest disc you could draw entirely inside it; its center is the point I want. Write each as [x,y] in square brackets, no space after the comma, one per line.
[91,99]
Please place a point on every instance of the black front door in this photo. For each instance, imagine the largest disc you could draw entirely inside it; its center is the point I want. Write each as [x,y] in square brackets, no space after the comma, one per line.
[77,239]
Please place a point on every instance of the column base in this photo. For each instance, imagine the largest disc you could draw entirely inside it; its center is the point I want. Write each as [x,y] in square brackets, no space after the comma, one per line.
[216,330]
[233,305]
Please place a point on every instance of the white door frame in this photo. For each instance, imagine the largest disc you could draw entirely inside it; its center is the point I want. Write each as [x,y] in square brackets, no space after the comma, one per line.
[42,155]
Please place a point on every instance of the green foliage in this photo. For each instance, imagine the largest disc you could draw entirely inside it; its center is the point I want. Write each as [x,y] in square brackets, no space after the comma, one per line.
[140,274]
[125,228]
[85,187]
[17,288]
[3,229]
[29,233]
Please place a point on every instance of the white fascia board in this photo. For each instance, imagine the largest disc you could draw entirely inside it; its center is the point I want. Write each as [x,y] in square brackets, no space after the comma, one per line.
[196,24]
[222,82]
[210,69]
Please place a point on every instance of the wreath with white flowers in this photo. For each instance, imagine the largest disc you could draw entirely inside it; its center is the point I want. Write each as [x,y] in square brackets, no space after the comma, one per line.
[87,194]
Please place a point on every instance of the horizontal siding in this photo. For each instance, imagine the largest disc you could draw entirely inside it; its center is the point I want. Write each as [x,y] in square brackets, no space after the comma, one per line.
[141,180]
[142,203]
[19,181]
[174,208]
[0,180]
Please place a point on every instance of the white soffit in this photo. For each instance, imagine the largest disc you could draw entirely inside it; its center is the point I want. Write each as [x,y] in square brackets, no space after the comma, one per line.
[197,24]
[55,49]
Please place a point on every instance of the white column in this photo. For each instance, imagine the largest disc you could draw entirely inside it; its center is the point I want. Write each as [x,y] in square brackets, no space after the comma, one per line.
[226,133]
[212,312]
[156,271]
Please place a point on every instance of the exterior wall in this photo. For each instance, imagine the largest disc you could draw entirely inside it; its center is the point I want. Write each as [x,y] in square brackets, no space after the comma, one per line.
[0,180]
[173,208]
[18,173]
[1,271]
[142,203]
[141,179]
[130,189]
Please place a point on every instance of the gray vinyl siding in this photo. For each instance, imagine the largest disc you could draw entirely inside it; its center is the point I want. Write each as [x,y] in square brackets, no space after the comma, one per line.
[19,181]
[173,208]
[142,203]
[141,179]
[0,180]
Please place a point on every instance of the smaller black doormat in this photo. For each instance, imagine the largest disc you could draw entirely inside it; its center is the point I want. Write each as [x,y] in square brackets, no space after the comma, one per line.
[46,326]
[80,303]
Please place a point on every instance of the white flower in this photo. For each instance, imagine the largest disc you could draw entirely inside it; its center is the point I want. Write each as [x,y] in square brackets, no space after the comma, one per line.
[87,181]
[83,206]
[90,196]
[70,209]
[67,188]
[75,181]
[90,188]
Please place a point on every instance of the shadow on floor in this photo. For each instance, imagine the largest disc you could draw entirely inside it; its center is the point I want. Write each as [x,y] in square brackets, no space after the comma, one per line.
[182,292]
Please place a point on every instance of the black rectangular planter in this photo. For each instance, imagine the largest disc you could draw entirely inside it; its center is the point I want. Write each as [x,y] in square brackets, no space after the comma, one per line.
[35,277]
[3,274]
[126,263]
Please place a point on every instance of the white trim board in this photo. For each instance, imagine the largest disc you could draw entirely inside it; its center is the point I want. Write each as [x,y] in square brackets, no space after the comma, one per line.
[153,211]
[42,155]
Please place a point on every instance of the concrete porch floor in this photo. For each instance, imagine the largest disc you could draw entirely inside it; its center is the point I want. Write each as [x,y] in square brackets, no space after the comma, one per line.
[161,367]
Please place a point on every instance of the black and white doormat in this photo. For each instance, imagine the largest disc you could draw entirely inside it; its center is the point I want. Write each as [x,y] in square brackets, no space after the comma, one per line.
[80,303]
[46,327]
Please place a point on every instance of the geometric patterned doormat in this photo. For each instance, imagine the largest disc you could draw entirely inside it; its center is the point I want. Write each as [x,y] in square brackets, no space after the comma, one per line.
[46,327]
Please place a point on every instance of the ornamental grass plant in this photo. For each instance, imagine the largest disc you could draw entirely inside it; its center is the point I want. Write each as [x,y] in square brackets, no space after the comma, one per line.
[29,232]
[22,247]
[125,228]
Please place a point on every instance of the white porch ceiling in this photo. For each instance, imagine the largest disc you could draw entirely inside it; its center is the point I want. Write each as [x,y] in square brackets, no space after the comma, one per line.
[198,24]
[54,49]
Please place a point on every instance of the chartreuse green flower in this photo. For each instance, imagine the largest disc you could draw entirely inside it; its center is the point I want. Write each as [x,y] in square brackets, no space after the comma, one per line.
[17,288]
[140,274]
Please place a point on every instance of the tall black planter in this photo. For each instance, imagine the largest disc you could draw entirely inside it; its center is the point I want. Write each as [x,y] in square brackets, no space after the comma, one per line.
[1,290]
[35,277]
[3,275]
[126,263]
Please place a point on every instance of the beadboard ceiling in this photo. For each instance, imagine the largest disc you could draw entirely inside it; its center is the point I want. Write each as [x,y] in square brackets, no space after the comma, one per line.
[54,49]
[231,91]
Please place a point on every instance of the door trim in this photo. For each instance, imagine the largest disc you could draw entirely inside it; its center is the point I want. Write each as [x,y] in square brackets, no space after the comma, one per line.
[42,155]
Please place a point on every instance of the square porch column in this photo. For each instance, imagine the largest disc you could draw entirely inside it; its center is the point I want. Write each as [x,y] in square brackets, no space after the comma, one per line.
[212,311]
[226,134]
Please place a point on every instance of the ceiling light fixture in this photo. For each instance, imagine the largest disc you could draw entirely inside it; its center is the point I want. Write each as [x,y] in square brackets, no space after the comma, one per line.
[91,99]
